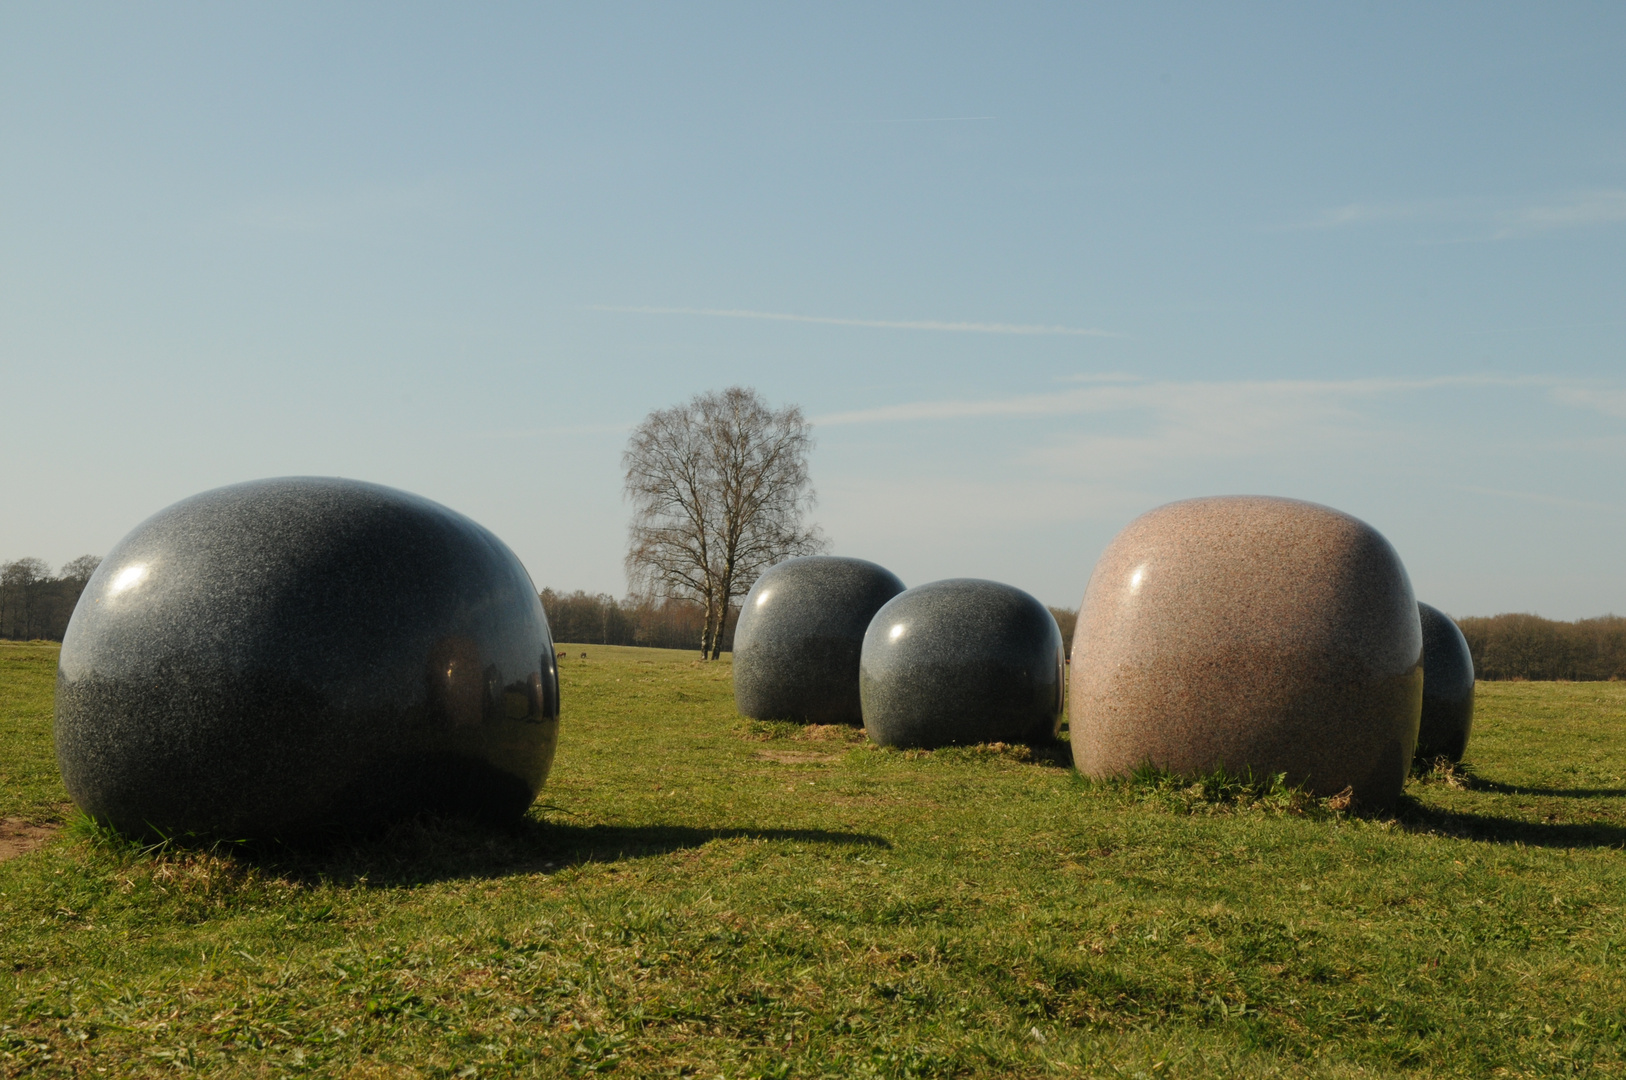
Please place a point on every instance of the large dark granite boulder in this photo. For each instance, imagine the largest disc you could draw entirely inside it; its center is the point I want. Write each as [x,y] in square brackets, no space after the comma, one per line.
[1448,688]
[1255,634]
[959,662]
[800,632]
[292,657]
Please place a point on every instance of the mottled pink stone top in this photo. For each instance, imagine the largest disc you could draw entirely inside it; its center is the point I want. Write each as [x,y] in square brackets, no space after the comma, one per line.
[1250,633]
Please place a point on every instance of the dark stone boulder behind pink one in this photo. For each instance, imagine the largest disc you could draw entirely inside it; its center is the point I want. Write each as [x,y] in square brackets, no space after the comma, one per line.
[1256,634]
[1448,688]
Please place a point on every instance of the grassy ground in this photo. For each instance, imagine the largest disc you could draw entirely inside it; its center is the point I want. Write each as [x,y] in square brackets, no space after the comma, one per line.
[697,895]
[30,789]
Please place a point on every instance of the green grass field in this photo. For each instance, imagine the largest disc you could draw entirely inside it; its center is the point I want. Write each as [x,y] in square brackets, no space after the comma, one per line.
[697,895]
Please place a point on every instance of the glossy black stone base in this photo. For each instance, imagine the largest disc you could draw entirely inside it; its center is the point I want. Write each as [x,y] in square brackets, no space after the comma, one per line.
[1448,688]
[300,656]
[962,661]
[800,633]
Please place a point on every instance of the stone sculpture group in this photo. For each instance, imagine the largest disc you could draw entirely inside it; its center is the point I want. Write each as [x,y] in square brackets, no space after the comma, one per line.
[1261,636]
[824,639]
[295,657]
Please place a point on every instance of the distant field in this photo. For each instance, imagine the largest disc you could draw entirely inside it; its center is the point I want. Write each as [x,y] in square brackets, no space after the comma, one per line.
[698,895]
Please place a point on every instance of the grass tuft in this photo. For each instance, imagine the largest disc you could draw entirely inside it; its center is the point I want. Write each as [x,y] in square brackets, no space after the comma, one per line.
[1456,775]
[1222,792]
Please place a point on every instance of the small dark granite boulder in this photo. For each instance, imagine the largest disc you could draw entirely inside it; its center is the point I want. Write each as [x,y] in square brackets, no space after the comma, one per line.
[959,662]
[1448,688]
[800,632]
[299,656]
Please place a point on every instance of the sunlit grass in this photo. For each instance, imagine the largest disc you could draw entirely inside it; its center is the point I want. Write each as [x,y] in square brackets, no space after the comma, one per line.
[702,895]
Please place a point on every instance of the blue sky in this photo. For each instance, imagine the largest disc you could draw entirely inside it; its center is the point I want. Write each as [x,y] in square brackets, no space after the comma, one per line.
[1033,270]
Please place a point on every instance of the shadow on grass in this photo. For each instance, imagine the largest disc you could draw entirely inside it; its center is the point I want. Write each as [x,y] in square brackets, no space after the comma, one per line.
[1479,783]
[1414,816]
[1463,776]
[427,850]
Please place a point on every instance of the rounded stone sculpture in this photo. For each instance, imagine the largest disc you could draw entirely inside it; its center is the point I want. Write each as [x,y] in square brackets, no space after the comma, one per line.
[1253,634]
[300,656]
[1448,688]
[962,661]
[800,632]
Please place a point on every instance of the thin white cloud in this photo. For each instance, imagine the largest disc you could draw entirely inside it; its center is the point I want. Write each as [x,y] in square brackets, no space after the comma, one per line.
[1142,431]
[1199,397]
[570,431]
[1609,401]
[1102,377]
[1371,213]
[927,120]
[1542,498]
[1581,209]
[1021,329]
[1081,460]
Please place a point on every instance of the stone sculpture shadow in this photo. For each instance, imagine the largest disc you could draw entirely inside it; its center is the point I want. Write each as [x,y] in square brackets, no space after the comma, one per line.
[1415,816]
[1496,787]
[430,849]
[1464,775]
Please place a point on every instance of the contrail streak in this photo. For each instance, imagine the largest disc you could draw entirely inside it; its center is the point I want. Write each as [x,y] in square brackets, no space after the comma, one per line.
[877,324]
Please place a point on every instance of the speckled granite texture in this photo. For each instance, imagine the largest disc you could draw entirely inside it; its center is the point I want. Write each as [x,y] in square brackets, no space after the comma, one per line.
[1251,633]
[290,657]
[800,632]
[1448,688]
[962,661]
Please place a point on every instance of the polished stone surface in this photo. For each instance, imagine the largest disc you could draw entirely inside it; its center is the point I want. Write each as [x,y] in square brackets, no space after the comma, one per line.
[962,661]
[800,632]
[1250,633]
[296,656]
[1448,688]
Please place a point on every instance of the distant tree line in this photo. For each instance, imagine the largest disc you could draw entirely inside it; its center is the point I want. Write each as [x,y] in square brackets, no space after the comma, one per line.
[34,603]
[600,619]
[1065,620]
[1530,647]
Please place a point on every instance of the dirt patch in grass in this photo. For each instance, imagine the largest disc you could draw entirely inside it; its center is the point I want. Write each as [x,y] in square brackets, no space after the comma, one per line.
[773,730]
[797,757]
[18,837]
[832,733]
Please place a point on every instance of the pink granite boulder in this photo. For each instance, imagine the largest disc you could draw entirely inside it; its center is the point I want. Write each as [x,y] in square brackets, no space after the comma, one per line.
[1254,634]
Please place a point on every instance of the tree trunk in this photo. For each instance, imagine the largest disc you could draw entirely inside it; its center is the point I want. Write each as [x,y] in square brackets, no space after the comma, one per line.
[717,638]
[725,593]
[705,632]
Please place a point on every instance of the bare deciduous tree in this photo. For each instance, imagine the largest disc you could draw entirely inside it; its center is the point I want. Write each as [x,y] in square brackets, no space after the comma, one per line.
[719,486]
[79,570]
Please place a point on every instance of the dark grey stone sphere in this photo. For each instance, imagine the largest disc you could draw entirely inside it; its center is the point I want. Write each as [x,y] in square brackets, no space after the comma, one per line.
[962,661]
[300,656]
[1448,688]
[800,633]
